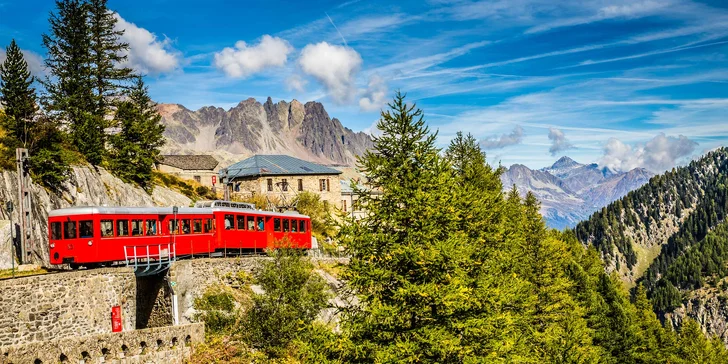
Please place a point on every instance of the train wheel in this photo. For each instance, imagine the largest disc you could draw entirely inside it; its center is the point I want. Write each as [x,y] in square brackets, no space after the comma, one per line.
[74,266]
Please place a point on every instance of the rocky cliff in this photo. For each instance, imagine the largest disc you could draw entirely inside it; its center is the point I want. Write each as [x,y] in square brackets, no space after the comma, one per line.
[86,187]
[302,130]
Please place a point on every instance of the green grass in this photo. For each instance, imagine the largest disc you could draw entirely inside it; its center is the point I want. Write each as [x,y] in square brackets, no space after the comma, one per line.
[8,273]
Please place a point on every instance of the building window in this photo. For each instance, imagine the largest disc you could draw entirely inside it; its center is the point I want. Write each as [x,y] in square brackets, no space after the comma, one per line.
[270,184]
[300,184]
[343,205]
[198,179]
[323,185]
[284,185]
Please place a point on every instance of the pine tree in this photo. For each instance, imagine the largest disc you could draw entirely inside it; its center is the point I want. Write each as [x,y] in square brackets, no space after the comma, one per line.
[18,97]
[407,265]
[136,147]
[107,56]
[69,84]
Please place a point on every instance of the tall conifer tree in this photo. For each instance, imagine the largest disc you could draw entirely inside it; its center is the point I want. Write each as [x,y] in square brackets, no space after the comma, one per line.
[136,147]
[108,53]
[71,83]
[17,96]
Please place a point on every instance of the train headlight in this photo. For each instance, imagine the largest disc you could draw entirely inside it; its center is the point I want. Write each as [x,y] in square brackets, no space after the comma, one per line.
[53,245]
[90,243]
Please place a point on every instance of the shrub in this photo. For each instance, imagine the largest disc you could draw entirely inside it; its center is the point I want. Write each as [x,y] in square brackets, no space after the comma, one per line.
[293,296]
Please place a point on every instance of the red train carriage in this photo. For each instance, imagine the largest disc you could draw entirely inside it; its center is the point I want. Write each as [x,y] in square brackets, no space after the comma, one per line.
[100,235]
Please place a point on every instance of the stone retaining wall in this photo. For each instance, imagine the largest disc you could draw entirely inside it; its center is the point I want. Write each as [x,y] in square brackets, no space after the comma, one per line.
[162,345]
[61,305]
[191,278]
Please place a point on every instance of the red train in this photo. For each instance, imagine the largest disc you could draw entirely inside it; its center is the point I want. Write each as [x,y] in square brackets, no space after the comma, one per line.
[92,235]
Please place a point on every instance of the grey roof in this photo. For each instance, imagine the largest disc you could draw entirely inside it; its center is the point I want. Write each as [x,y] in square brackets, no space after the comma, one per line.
[272,165]
[190,162]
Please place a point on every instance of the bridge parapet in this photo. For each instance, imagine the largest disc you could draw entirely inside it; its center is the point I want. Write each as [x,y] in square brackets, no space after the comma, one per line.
[168,345]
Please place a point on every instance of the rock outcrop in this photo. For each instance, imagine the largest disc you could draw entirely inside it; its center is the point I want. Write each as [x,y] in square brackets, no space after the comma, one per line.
[305,131]
[86,187]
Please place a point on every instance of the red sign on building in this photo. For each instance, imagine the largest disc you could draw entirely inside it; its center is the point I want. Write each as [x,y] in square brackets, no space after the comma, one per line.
[116,319]
[214,179]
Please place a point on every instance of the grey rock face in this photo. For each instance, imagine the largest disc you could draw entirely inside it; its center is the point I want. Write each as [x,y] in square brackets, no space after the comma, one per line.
[305,131]
[86,187]
[569,191]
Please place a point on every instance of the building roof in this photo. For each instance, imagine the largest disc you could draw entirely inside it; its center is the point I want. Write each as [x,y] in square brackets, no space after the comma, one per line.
[272,165]
[190,162]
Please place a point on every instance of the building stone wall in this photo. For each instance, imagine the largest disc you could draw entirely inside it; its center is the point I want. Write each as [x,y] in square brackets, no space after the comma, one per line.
[63,305]
[163,345]
[311,183]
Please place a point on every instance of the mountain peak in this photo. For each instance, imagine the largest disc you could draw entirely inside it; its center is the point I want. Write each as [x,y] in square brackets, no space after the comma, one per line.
[564,162]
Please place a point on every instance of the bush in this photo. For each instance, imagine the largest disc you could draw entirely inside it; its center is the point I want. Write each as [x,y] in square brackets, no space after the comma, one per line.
[294,296]
[219,309]
[322,224]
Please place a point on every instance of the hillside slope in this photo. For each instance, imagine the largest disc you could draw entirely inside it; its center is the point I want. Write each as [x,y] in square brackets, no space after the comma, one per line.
[672,236]
[302,130]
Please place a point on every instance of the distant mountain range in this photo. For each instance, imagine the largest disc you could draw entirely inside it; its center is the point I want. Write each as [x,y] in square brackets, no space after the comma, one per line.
[302,130]
[569,191]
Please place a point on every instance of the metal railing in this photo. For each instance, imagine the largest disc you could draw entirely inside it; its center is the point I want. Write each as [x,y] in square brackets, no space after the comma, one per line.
[146,261]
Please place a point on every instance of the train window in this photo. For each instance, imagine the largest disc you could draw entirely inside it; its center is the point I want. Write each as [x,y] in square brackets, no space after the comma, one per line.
[261,224]
[229,222]
[302,226]
[209,225]
[122,227]
[55,230]
[86,229]
[294,226]
[107,228]
[277,225]
[173,227]
[241,222]
[137,227]
[151,227]
[251,223]
[69,230]
[185,226]
[197,226]
[286,225]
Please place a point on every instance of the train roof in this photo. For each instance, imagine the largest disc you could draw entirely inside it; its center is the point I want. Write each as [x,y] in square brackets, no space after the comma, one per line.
[118,210]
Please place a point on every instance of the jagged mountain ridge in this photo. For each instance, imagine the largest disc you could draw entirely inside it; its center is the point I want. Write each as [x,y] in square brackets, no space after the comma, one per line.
[302,130]
[570,191]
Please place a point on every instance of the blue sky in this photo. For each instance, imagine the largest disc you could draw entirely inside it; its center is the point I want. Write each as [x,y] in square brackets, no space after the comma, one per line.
[622,83]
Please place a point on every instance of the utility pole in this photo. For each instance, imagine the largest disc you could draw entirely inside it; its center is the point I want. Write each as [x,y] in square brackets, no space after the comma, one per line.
[224,182]
[9,209]
[24,238]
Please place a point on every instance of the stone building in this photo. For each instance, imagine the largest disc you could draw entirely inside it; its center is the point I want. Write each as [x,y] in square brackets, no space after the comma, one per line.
[349,198]
[281,178]
[201,168]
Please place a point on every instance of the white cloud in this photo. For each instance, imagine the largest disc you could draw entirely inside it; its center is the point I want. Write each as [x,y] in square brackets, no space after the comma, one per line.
[146,53]
[373,130]
[559,142]
[34,60]
[494,142]
[659,154]
[375,95]
[296,83]
[244,60]
[334,66]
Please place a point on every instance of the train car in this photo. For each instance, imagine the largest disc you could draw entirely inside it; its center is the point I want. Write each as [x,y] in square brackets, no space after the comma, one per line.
[254,230]
[91,236]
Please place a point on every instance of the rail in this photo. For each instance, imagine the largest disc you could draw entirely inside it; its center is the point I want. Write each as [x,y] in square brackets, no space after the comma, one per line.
[146,261]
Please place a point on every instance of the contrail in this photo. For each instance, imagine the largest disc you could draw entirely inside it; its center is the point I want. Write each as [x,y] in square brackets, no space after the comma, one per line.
[337,29]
